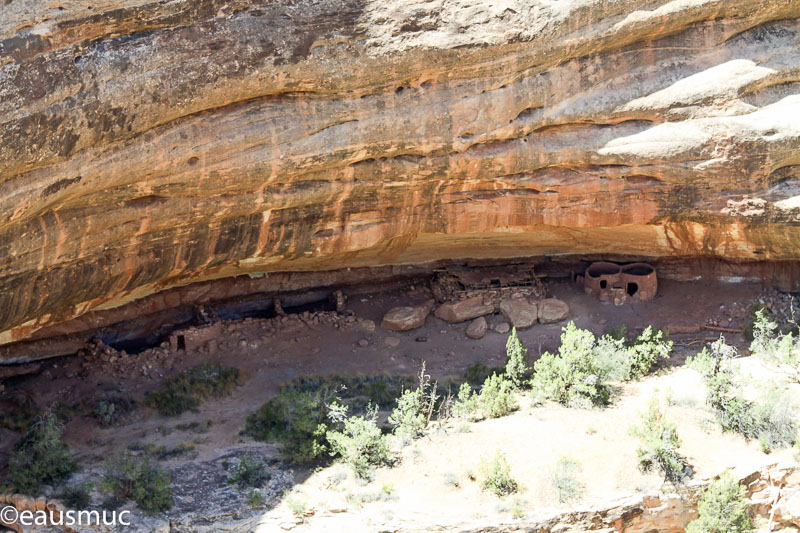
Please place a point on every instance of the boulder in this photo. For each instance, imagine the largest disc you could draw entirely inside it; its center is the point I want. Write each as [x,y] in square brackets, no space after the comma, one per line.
[406,317]
[463,310]
[519,313]
[477,328]
[502,328]
[552,310]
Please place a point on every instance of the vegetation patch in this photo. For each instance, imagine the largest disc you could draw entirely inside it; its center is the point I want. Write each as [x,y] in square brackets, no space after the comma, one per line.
[565,480]
[360,443]
[40,457]
[772,420]
[131,478]
[496,475]
[779,349]
[111,410]
[722,508]
[250,472]
[187,390]
[574,376]
[296,419]
[659,445]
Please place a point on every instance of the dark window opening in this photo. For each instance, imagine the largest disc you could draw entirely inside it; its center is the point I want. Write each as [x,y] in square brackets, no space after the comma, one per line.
[181,342]
[632,288]
[603,284]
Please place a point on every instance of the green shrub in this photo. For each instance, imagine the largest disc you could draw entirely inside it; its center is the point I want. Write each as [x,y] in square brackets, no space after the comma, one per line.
[659,445]
[361,444]
[466,404]
[40,457]
[248,473]
[781,350]
[298,420]
[414,408]
[722,508]
[129,478]
[565,480]
[76,496]
[110,411]
[574,376]
[407,418]
[357,392]
[255,499]
[497,397]
[632,360]
[187,390]
[517,367]
[650,346]
[772,420]
[476,373]
[496,475]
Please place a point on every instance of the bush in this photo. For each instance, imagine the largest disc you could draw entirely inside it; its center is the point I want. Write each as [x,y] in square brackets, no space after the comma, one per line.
[659,445]
[298,420]
[565,480]
[575,376]
[496,475]
[497,397]
[110,411]
[129,478]
[633,360]
[255,499]
[40,457]
[781,350]
[414,408]
[772,420]
[645,351]
[407,418]
[77,496]
[466,403]
[361,444]
[187,390]
[248,473]
[517,367]
[722,508]
[476,373]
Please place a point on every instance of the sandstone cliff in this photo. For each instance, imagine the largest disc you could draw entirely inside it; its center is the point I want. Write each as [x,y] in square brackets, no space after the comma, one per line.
[150,144]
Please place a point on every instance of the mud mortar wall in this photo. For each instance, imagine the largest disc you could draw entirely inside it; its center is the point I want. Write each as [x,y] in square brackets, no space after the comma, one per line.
[148,145]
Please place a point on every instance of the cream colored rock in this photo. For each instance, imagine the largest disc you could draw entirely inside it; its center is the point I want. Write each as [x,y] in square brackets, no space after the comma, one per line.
[407,317]
[520,313]
[477,328]
[463,310]
[552,310]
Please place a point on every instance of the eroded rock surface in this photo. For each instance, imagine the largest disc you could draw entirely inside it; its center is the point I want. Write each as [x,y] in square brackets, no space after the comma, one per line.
[407,317]
[147,145]
[463,310]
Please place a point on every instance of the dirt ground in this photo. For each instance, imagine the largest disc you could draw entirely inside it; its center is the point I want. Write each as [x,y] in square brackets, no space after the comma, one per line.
[415,491]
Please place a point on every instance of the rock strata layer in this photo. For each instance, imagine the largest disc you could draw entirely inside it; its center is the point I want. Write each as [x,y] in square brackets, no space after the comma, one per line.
[148,145]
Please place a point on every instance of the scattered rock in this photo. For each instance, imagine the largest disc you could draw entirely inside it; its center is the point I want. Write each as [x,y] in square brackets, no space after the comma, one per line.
[552,310]
[366,324]
[477,328]
[502,328]
[461,311]
[392,341]
[519,313]
[421,339]
[407,317]
[363,342]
